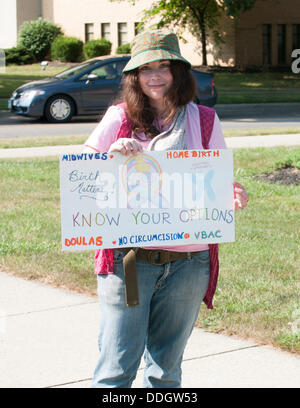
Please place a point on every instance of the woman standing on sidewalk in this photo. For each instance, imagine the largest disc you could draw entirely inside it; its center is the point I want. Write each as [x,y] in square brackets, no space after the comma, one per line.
[157,114]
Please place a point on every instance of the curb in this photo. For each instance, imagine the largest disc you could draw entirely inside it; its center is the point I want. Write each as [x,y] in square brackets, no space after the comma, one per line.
[246,110]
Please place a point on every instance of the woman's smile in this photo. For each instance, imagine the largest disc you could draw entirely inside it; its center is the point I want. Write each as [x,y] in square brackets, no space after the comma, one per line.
[156,86]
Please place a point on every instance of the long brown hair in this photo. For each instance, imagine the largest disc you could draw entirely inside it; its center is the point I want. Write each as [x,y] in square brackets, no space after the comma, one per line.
[138,108]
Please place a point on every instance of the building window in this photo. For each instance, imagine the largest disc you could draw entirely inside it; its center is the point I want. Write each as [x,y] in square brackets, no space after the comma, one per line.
[281,43]
[267,44]
[296,36]
[105,30]
[89,32]
[122,33]
[137,29]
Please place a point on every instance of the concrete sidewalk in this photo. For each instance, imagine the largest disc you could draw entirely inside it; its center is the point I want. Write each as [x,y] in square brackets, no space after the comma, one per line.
[232,143]
[48,338]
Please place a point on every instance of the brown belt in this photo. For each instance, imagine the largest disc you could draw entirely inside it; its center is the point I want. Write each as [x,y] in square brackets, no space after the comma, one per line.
[154,257]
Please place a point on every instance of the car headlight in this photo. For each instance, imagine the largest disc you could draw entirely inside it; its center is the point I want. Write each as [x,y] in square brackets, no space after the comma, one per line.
[27,96]
[31,93]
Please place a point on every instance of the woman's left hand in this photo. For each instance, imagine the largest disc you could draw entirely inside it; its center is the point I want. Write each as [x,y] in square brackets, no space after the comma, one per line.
[241,196]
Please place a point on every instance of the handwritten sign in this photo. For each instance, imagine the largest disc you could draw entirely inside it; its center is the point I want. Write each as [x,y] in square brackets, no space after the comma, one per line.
[151,199]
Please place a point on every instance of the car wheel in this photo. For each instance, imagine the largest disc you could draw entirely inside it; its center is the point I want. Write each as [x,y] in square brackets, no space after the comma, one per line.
[59,109]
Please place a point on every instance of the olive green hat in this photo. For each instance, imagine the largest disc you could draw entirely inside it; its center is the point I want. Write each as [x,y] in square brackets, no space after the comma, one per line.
[154,45]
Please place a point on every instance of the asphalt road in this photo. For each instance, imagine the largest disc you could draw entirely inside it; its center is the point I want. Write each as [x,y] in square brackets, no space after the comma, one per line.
[245,116]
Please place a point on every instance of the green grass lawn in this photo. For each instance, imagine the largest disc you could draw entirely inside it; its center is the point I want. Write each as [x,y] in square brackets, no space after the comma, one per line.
[241,81]
[258,292]
[262,87]
[3,104]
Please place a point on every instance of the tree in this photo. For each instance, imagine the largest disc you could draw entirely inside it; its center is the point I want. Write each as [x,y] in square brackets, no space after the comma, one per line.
[37,35]
[197,16]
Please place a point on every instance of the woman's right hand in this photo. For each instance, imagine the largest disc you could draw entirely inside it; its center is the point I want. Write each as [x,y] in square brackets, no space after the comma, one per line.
[126,146]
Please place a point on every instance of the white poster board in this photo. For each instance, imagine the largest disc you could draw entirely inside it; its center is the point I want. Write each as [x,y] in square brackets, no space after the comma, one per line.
[161,198]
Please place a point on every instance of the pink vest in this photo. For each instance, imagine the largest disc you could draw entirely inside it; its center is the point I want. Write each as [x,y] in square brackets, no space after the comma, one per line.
[104,257]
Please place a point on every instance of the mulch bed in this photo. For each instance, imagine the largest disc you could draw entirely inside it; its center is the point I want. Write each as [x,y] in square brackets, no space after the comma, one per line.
[286,176]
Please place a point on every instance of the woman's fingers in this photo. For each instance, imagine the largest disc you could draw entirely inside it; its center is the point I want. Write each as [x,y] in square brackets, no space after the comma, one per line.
[241,196]
[126,146]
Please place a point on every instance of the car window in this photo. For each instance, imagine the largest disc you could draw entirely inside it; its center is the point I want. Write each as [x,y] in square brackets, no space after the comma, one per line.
[120,66]
[74,71]
[113,70]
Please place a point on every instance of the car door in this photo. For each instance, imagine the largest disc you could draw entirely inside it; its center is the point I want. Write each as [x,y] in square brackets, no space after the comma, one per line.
[99,92]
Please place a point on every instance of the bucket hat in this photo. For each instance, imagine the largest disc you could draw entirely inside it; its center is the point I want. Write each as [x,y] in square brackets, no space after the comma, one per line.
[154,45]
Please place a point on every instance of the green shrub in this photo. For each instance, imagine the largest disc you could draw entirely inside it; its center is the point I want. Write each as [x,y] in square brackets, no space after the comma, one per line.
[18,55]
[36,36]
[95,48]
[123,49]
[66,49]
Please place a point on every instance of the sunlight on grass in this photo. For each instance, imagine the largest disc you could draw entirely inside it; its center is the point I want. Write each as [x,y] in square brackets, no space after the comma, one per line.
[34,70]
[260,131]
[252,84]
[10,143]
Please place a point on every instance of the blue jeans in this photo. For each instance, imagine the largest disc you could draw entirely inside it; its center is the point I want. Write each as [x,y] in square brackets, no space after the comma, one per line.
[170,296]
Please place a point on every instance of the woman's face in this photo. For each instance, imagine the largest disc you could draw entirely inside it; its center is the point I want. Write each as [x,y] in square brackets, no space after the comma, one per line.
[155,79]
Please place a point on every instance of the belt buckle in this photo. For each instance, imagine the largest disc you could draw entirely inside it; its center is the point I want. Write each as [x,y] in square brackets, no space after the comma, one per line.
[151,258]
